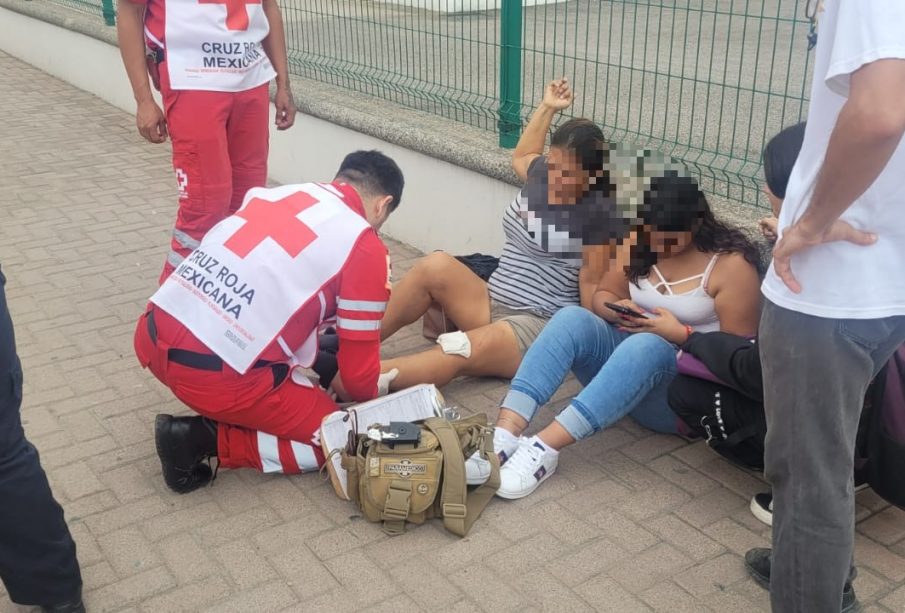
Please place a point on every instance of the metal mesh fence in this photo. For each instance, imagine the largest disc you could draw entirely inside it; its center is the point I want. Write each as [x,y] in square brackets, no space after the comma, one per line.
[707,81]
[430,60]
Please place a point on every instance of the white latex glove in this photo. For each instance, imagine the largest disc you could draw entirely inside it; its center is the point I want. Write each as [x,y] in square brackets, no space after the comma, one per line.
[384,380]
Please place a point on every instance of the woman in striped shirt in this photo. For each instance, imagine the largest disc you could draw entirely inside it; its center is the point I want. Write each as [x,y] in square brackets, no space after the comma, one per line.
[559,232]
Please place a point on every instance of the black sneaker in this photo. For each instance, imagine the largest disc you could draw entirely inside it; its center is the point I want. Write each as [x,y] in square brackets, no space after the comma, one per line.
[183,444]
[758,562]
[75,605]
[762,507]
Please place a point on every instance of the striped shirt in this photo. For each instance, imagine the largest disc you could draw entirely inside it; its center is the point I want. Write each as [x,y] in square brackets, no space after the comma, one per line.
[538,270]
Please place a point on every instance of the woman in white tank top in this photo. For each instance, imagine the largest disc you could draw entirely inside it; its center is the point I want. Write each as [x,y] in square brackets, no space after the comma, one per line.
[687,272]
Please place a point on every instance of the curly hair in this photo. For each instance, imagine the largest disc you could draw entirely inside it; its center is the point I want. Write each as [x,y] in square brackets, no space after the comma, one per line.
[674,203]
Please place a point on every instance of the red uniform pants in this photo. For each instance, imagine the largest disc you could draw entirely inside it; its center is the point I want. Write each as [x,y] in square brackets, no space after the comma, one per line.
[220,145]
[274,428]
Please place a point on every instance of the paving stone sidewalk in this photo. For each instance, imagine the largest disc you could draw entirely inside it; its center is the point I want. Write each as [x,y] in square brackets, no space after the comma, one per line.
[631,522]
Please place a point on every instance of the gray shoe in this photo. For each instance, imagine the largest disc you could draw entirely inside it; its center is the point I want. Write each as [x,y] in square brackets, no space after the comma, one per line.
[758,562]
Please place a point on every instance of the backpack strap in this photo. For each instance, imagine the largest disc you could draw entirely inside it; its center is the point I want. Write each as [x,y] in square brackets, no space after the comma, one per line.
[742,434]
[459,508]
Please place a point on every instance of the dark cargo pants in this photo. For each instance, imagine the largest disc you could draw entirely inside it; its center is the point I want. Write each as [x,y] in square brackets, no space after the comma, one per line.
[38,565]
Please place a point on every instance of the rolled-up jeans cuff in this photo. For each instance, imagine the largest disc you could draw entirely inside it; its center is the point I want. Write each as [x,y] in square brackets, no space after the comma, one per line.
[575,423]
[521,403]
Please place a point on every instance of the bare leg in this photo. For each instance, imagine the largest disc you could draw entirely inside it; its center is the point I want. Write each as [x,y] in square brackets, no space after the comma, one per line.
[494,353]
[443,279]
[511,421]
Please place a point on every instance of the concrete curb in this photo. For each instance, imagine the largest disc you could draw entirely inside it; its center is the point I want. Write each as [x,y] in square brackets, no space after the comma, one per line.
[89,25]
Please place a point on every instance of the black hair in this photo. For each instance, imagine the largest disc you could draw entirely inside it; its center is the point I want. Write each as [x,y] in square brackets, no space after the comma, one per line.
[373,174]
[585,139]
[674,203]
[779,158]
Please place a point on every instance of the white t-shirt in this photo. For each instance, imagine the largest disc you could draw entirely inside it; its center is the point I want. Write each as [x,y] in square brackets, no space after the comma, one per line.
[841,280]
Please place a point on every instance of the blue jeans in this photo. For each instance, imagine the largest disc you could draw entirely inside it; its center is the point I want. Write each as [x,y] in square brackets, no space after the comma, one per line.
[622,374]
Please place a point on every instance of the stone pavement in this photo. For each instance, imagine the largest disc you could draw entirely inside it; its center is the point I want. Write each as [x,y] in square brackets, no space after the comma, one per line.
[632,521]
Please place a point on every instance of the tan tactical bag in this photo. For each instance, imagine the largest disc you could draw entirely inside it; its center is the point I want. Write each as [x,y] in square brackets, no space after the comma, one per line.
[418,482]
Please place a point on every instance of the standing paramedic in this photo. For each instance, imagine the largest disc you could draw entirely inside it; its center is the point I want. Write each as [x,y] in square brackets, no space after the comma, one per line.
[835,309]
[233,331]
[212,61]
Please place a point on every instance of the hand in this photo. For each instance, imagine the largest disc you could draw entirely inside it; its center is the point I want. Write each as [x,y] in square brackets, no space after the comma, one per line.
[285,107]
[627,321]
[558,94]
[768,227]
[799,237]
[151,122]
[665,325]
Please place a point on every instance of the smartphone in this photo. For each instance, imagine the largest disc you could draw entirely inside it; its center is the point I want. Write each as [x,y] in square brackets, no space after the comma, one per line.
[624,310]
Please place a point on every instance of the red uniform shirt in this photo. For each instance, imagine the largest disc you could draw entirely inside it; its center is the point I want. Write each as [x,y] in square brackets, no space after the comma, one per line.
[357,297]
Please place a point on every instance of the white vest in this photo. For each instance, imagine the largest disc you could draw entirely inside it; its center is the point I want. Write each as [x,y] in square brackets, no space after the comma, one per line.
[254,270]
[215,45]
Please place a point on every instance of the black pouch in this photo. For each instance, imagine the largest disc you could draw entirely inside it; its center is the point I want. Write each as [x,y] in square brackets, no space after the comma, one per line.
[480,264]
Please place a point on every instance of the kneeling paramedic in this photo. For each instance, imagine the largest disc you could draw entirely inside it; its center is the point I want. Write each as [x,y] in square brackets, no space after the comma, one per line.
[234,330]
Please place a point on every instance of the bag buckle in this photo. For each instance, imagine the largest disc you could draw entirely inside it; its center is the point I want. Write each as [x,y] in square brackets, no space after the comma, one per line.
[454,510]
[389,513]
[397,501]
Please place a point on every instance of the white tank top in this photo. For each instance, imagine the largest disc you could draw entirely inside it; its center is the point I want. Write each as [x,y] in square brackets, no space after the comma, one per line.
[695,308]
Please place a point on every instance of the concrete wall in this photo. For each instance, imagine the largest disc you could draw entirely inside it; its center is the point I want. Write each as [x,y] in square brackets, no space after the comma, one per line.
[88,63]
[463,6]
[445,205]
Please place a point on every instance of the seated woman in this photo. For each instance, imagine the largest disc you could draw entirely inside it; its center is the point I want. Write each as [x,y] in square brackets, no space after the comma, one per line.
[734,361]
[687,272]
[557,230]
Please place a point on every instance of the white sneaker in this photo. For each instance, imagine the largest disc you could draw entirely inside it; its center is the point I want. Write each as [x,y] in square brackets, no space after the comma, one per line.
[477,469]
[528,467]
[762,507]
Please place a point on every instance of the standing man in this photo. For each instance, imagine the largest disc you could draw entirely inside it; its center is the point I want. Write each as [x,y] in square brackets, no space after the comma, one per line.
[234,331]
[836,301]
[37,556]
[212,61]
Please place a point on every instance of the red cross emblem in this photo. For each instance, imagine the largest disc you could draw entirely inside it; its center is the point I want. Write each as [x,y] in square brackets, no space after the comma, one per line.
[236,12]
[276,221]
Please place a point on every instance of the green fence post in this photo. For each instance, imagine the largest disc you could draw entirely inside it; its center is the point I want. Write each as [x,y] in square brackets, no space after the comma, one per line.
[510,123]
[109,13]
